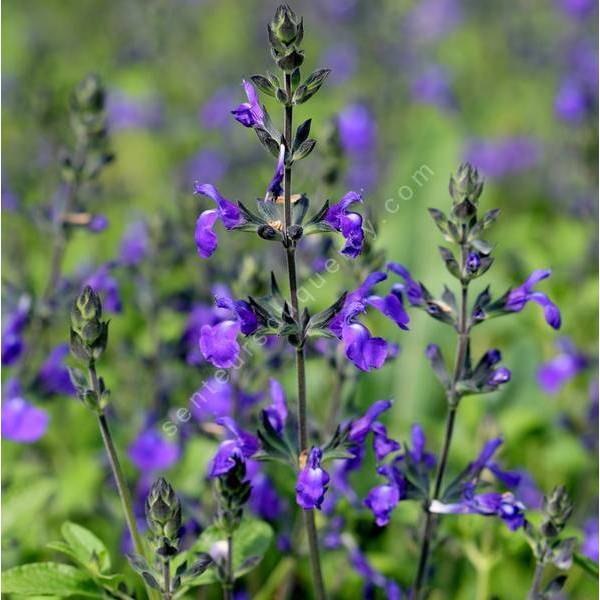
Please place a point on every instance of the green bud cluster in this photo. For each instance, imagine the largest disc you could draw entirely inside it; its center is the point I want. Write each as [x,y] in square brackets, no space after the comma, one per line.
[88,121]
[285,36]
[89,334]
[233,492]
[557,509]
[163,515]
[465,188]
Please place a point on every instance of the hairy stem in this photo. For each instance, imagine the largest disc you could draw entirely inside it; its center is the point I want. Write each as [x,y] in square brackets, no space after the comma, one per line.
[453,397]
[534,592]
[309,517]
[115,466]
[167,580]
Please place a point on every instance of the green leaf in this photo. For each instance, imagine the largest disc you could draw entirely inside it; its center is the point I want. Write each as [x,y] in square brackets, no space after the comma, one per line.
[251,539]
[88,549]
[48,579]
[587,564]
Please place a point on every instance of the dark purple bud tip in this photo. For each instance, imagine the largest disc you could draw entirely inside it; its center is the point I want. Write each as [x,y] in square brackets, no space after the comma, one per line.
[473,262]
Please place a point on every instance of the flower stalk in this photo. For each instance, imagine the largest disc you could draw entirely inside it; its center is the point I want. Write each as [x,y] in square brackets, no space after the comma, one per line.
[308,516]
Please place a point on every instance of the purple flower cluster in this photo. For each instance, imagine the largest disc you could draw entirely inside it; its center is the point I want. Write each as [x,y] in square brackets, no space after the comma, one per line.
[363,350]
[21,421]
[503,157]
[553,374]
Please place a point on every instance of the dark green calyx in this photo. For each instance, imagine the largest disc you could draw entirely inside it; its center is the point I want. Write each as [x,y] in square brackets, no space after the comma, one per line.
[89,334]
[466,187]
[286,27]
[163,515]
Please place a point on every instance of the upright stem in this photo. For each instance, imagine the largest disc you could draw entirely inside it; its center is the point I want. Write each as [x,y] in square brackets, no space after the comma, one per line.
[309,517]
[167,580]
[115,466]
[534,592]
[453,397]
[228,585]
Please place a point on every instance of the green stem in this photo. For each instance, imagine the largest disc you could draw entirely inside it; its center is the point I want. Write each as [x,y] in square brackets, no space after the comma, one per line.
[117,472]
[534,592]
[309,517]
[453,397]
[167,580]
[228,583]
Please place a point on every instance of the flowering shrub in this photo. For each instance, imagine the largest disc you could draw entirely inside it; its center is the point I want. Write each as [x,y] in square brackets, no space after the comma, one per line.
[253,414]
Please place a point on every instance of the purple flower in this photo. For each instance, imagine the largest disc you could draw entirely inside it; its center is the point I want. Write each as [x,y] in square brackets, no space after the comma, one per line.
[219,345]
[571,101]
[382,444]
[432,19]
[381,501]
[589,547]
[413,289]
[348,223]
[364,351]
[527,491]
[277,412]
[518,297]
[312,481]
[361,426]
[484,461]
[22,422]
[432,86]
[505,506]
[274,189]
[241,445]
[97,223]
[264,500]
[555,373]
[127,112]
[578,9]
[213,114]
[357,128]
[213,400]
[134,244]
[102,282]
[250,114]
[53,375]
[417,451]
[152,452]
[12,339]
[341,58]
[205,164]
[503,157]
[229,214]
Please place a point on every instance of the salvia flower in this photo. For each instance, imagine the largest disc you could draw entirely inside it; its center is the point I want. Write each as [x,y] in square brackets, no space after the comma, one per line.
[417,451]
[53,376]
[277,411]
[135,244]
[567,364]
[227,212]
[365,351]
[360,427]
[240,446]
[12,339]
[152,452]
[382,444]
[218,343]
[414,290]
[250,114]
[312,481]
[22,422]
[484,461]
[505,506]
[383,499]
[213,400]
[518,297]
[589,547]
[348,223]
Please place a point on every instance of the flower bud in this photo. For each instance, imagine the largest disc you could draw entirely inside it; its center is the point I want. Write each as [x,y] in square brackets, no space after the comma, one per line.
[163,515]
[89,95]
[286,28]
[295,232]
[467,186]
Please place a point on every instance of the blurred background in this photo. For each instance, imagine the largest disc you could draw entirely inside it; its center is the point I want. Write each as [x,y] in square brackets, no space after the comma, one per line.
[416,88]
